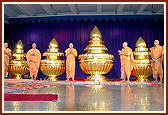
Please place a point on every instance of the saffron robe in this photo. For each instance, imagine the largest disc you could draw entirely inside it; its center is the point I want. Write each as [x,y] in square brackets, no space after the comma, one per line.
[33,61]
[163,52]
[127,62]
[6,61]
[157,67]
[70,63]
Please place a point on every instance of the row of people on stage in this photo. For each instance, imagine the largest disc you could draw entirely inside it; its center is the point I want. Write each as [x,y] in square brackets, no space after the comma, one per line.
[127,61]
[33,57]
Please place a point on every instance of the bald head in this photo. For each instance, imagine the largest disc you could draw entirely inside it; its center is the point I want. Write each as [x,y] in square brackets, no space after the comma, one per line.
[125,44]
[71,45]
[156,42]
[5,45]
[34,46]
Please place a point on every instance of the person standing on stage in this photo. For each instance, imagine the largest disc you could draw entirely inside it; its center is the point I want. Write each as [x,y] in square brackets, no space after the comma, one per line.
[70,54]
[7,54]
[127,61]
[33,57]
[156,55]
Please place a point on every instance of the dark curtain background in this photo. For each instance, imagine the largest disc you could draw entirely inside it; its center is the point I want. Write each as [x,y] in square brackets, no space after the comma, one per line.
[114,34]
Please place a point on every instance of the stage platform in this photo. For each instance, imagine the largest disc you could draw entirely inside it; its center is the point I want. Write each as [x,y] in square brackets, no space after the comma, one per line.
[79,95]
[16,85]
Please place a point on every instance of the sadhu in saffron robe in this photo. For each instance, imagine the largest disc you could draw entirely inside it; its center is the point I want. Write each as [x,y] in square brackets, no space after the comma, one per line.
[127,62]
[157,66]
[70,63]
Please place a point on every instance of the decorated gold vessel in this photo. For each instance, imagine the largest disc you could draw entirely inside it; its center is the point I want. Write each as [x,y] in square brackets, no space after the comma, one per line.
[18,64]
[95,61]
[142,68]
[53,66]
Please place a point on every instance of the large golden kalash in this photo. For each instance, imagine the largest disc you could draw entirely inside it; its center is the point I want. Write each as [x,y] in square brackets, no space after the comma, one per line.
[18,64]
[142,68]
[96,62]
[53,66]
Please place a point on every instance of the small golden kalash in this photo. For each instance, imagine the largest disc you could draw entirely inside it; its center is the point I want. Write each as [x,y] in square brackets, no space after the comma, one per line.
[18,64]
[53,66]
[142,68]
[96,62]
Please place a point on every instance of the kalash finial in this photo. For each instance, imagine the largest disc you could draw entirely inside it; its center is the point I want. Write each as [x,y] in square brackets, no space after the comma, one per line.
[19,45]
[95,33]
[53,44]
[95,45]
[140,43]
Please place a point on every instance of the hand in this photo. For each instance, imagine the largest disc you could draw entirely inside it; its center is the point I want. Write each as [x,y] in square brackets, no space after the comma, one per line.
[32,54]
[153,59]
[119,51]
[4,52]
[70,51]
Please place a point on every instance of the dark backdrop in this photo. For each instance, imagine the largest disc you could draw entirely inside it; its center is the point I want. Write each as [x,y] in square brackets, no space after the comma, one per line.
[77,31]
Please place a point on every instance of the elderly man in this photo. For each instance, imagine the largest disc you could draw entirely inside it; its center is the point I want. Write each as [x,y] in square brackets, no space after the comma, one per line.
[156,55]
[71,53]
[127,61]
[33,57]
[7,54]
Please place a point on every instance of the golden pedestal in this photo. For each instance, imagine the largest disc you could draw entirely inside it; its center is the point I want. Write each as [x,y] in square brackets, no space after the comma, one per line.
[142,68]
[96,62]
[53,66]
[18,64]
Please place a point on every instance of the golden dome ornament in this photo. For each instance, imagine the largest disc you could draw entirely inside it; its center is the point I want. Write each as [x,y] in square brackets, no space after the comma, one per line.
[53,66]
[142,68]
[96,62]
[18,64]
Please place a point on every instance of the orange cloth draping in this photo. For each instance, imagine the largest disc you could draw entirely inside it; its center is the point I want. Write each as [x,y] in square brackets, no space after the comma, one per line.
[70,63]
[6,60]
[157,67]
[163,52]
[127,62]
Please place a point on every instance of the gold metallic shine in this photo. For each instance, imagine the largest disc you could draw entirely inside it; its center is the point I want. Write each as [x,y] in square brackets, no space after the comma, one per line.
[19,44]
[53,66]
[96,62]
[143,68]
[53,44]
[140,43]
[18,64]
[95,33]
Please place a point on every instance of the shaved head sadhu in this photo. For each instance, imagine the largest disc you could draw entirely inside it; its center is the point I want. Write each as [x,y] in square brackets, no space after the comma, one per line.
[127,61]
[70,54]
[156,54]
[33,57]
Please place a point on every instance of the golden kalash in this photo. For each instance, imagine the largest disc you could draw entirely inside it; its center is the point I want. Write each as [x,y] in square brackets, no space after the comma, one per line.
[53,66]
[142,68]
[95,61]
[18,64]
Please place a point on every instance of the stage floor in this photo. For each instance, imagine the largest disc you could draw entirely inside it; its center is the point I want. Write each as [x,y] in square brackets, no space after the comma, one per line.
[94,98]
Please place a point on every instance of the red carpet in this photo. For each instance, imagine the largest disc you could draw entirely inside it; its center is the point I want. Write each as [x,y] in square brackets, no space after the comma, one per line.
[153,83]
[30,97]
